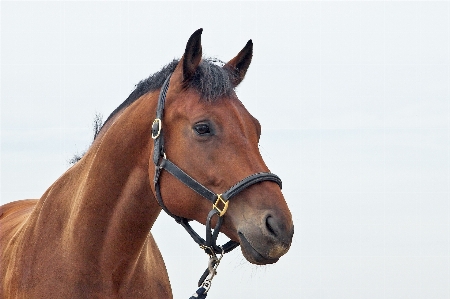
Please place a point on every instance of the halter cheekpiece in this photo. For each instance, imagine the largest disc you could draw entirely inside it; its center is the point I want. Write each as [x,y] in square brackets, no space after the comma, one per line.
[219,201]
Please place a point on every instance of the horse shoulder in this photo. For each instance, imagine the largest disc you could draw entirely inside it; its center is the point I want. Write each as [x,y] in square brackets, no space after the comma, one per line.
[149,278]
[13,218]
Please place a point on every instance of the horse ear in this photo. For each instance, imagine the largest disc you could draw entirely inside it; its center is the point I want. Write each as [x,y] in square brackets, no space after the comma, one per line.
[192,55]
[238,65]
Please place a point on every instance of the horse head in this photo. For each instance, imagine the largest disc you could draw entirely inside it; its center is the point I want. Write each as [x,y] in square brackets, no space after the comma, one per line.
[209,134]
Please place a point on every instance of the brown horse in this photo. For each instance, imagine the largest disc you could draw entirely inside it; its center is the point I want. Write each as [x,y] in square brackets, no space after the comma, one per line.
[88,236]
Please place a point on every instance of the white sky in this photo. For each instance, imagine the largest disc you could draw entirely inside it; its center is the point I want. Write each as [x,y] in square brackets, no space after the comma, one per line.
[354,102]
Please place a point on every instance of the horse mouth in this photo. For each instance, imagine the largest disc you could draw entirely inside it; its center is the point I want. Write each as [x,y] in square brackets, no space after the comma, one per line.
[252,255]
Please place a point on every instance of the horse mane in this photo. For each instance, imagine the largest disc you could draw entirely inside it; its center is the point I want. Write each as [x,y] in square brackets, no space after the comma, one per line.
[210,80]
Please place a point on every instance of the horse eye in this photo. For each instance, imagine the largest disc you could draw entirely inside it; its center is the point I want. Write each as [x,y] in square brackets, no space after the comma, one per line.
[202,129]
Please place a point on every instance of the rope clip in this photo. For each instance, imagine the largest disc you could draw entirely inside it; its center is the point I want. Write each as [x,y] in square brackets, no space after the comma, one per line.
[213,263]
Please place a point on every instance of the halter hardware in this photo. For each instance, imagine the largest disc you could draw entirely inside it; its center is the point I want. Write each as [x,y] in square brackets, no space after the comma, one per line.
[219,201]
[158,132]
[224,203]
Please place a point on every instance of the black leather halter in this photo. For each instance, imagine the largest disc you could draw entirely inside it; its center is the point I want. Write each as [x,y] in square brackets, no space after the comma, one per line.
[219,201]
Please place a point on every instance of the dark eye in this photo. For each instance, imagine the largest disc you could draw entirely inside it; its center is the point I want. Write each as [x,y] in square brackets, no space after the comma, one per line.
[202,129]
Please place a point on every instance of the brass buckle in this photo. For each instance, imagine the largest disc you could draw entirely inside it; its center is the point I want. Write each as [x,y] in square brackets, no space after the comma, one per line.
[157,120]
[225,205]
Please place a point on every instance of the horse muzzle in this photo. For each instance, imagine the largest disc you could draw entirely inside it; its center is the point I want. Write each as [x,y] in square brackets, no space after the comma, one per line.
[266,241]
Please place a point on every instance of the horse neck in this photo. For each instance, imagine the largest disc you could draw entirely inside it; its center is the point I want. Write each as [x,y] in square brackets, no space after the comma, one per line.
[102,209]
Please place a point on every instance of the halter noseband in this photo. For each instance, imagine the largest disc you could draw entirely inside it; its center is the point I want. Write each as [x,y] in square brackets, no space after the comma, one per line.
[219,201]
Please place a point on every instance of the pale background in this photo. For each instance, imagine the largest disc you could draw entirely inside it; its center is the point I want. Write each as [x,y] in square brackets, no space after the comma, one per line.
[354,102]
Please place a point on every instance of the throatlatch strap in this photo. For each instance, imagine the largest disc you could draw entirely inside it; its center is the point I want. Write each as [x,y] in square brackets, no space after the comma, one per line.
[163,206]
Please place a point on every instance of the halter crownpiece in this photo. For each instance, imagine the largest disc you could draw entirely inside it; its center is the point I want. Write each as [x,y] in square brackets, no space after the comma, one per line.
[219,201]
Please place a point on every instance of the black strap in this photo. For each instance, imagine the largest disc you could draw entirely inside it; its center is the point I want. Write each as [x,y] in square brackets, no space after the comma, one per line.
[208,194]
[227,247]
[163,206]
[187,180]
[157,127]
[250,180]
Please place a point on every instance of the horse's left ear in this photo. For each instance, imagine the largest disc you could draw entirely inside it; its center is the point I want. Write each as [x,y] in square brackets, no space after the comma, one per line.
[192,55]
[189,62]
[238,65]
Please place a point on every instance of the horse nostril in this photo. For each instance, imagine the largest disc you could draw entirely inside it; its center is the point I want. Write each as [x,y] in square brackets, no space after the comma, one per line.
[271,225]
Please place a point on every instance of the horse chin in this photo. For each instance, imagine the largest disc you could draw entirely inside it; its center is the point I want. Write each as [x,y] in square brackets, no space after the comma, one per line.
[252,254]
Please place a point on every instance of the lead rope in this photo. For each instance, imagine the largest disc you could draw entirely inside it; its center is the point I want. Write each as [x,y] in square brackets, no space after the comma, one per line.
[210,248]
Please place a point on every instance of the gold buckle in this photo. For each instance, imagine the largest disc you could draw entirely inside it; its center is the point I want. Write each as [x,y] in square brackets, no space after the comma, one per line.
[225,205]
[157,120]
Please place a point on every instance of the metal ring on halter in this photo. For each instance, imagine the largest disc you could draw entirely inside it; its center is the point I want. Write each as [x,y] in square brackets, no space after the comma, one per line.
[157,121]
